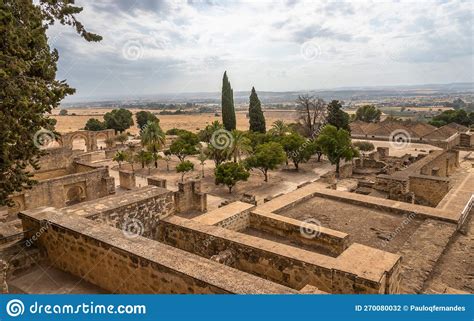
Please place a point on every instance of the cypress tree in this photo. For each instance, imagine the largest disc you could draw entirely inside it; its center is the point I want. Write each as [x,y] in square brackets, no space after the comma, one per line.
[228,111]
[257,120]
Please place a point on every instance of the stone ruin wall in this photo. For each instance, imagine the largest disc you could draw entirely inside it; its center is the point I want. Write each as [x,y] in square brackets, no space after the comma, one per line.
[83,186]
[90,251]
[429,190]
[261,258]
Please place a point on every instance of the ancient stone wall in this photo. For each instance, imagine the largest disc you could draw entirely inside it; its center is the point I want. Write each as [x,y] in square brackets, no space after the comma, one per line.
[102,256]
[345,171]
[287,265]
[189,197]
[428,190]
[66,190]
[155,181]
[127,179]
[138,213]
[442,165]
[307,233]
[466,140]
[90,138]
[56,158]
[234,216]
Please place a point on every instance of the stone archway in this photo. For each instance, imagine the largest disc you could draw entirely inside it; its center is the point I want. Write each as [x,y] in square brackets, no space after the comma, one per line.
[90,137]
[75,194]
[100,140]
[80,145]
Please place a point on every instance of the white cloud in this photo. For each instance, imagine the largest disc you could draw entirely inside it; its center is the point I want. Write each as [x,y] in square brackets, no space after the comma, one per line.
[186,46]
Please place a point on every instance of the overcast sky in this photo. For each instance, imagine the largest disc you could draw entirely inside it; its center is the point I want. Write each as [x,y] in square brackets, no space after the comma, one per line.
[153,47]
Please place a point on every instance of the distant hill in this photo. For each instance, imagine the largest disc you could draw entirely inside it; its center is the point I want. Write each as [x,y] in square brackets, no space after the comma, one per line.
[343,93]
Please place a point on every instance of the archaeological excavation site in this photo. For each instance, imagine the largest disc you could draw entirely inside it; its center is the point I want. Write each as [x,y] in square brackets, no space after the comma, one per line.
[393,221]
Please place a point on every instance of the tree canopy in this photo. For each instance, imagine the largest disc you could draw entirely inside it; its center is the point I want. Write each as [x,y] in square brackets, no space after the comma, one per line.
[28,86]
[184,167]
[119,119]
[266,157]
[256,117]
[153,139]
[297,148]
[230,173]
[336,145]
[459,116]
[368,114]
[143,117]
[185,145]
[94,125]
[336,116]
[228,111]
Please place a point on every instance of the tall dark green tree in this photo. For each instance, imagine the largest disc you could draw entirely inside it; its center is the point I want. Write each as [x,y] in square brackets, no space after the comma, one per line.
[143,117]
[228,111]
[119,119]
[337,117]
[28,86]
[257,120]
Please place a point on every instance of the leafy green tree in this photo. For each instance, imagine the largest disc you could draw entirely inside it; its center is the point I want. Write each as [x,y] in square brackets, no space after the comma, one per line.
[297,148]
[317,149]
[109,142]
[121,138]
[364,146]
[257,138]
[267,157]
[63,112]
[176,131]
[459,116]
[185,145]
[228,111]
[145,157]
[368,114]
[119,119]
[206,134]
[279,128]
[94,125]
[153,139]
[119,158]
[184,167]
[143,117]
[218,155]
[336,116]
[336,145]
[240,144]
[28,86]
[230,173]
[257,119]
[202,157]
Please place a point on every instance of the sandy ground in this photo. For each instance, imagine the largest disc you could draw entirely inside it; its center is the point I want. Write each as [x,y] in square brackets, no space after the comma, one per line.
[193,123]
[364,225]
[283,180]
[455,268]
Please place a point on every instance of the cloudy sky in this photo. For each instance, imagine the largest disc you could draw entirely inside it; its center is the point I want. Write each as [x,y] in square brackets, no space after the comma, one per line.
[153,47]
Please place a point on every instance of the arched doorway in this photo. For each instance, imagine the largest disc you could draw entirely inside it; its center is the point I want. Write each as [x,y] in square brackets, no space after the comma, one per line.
[100,140]
[79,142]
[74,195]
